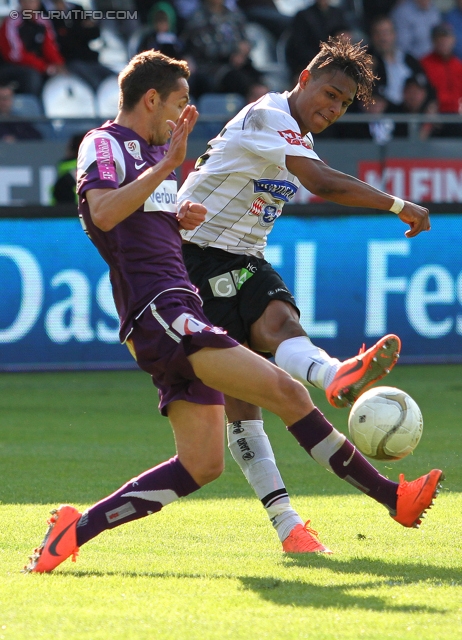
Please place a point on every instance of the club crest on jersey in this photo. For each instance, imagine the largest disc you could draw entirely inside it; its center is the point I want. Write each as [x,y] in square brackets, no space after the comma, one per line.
[133,148]
[292,137]
[279,189]
[267,213]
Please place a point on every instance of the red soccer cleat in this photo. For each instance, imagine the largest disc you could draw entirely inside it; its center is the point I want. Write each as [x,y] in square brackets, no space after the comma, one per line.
[303,539]
[59,543]
[356,374]
[415,497]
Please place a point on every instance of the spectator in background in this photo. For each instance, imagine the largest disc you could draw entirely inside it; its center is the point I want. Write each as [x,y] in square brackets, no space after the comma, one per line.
[211,36]
[64,189]
[74,35]
[15,128]
[372,9]
[414,21]
[418,98]
[391,64]
[380,131]
[240,76]
[308,28]
[30,44]
[454,18]
[265,13]
[162,37]
[444,70]
[256,92]
[185,9]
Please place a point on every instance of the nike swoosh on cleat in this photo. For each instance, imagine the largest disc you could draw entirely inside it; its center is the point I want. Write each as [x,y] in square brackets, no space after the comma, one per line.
[356,367]
[52,548]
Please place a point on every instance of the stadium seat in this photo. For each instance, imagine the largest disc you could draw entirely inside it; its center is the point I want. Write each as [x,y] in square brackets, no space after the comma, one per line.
[215,109]
[135,40]
[67,96]
[27,105]
[113,51]
[263,46]
[107,98]
[220,106]
[266,56]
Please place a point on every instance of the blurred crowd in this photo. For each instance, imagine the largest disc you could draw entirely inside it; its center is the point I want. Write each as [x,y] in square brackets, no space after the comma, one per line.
[243,47]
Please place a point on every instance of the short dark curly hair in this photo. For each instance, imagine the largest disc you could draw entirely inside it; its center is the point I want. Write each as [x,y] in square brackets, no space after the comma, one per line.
[341,54]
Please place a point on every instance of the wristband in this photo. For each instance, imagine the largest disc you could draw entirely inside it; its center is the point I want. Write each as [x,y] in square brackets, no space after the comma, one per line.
[397,206]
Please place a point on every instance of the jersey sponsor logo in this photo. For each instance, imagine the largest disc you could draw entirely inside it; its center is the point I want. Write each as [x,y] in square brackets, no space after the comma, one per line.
[105,160]
[279,189]
[133,148]
[267,213]
[226,285]
[186,325]
[294,138]
[223,286]
[163,198]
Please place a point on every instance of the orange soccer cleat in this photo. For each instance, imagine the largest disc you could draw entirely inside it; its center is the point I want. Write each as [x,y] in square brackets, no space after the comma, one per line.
[415,497]
[303,539]
[356,374]
[59,543]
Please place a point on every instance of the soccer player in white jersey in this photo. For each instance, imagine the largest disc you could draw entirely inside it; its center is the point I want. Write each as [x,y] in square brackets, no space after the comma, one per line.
[244,178]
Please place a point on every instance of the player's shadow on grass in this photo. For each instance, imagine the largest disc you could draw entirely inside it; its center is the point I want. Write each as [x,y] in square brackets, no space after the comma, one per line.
[399,573]
[296,594]
[305,594]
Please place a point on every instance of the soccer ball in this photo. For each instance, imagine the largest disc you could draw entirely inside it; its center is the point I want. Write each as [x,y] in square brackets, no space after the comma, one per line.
[385,423]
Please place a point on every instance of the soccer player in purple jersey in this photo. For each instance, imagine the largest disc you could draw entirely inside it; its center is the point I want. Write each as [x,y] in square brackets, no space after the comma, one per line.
[126,202]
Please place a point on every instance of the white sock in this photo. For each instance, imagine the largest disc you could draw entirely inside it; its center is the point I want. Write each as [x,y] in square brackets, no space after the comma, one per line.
[306,362]
[251,448]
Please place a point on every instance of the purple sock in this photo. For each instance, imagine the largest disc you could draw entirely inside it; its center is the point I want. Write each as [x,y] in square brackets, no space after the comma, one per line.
[138,498]
[329,448]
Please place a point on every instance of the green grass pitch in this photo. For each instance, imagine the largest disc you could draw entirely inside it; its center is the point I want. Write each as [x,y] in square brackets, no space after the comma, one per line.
[210,566]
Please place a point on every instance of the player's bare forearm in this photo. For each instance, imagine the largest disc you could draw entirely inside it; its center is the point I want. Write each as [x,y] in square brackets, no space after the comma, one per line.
[108,207]
[347,190]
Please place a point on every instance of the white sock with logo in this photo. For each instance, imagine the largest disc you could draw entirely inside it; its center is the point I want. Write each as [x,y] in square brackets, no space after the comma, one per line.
[251,448]
[306,362]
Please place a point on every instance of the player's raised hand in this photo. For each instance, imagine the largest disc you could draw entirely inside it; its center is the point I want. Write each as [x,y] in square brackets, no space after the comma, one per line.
[180,131]
[416,217]
[191,214]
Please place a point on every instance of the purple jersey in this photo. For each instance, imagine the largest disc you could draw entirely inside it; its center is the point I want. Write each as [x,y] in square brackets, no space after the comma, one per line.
[144,250]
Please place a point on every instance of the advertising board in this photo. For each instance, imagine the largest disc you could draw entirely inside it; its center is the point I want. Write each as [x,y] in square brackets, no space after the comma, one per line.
[355,278]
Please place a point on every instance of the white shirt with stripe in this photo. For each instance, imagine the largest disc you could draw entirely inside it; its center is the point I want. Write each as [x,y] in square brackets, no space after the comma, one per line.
[242,177]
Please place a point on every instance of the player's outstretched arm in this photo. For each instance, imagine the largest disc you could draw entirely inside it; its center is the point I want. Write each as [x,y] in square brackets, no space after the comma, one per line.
[342,188]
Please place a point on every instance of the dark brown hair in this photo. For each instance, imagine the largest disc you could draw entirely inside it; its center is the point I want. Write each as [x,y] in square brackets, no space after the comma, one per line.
[340,54]
[149,70]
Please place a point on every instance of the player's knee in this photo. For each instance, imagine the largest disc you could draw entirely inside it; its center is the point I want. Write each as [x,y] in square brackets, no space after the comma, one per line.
[291,392]
[209,471]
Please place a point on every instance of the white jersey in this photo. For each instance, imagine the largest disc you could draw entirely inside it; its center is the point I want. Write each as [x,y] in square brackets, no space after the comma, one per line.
[242,177]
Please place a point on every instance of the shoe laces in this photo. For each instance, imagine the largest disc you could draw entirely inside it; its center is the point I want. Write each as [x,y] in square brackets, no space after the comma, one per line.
[309,530]
[362,349]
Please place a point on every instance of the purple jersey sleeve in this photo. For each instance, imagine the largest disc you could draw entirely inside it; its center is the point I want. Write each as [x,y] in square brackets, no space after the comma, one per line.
[100,164]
